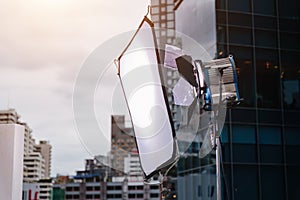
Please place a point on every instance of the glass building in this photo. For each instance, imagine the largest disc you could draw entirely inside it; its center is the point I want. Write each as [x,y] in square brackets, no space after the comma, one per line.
[261,137]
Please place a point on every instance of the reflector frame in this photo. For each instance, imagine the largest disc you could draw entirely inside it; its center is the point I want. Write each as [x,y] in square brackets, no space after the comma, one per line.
[141,80]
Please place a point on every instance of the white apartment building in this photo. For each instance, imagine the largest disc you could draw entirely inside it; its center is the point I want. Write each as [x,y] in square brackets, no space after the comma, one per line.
[132,165]
[35,165]
[9,116]
[28,139]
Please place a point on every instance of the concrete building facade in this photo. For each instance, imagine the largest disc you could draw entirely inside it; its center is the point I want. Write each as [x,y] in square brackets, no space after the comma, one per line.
[35,167]
[132,166]
[11,165]
[122,143]
[45,149]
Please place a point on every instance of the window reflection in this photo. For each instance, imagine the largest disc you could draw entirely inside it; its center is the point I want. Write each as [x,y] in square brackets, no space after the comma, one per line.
[240,36]
[290,79]
[265,38]
[240,19]
[268,78]
[265,22]
[288,41]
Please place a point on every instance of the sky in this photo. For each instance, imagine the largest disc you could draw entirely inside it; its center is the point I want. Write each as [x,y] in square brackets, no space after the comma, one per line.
[43,46]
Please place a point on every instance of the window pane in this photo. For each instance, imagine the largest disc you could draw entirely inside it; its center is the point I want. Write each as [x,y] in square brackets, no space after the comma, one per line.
[271,154]
[269,135]
[289,41]
[292,148]
[288,9]
[154,2]
[268,78]
[244,176]
[244,153]
[238,5]
[265,22]
[239,19]
[291,117]
[220,4]
[289,15]
[266,7]
[243,115]
[293,174]
[292,154]
[265,38]
[269,117]
[221,17]
[240,36]
[289,24]
[243,134]
[226,152]
[224,134]
[292,136]
[272,182]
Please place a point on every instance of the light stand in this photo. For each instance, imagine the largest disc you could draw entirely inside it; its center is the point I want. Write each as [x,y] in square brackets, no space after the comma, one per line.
[224,69]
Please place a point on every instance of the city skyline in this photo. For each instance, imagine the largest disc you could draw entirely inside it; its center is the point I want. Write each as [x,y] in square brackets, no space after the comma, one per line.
[43,45]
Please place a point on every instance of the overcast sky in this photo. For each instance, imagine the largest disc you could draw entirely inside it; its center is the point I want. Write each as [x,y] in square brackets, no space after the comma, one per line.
[43,44]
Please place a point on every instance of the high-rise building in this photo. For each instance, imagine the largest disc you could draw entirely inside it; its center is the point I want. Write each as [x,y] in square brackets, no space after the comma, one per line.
[163,17]
[261,137]
[45,148]
[122,142]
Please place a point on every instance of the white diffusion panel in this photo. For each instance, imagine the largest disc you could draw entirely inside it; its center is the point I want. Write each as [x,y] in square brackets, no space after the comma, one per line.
[142,86]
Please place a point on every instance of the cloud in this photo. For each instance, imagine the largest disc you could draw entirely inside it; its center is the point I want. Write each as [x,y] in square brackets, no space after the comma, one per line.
[43,44]
[39,34]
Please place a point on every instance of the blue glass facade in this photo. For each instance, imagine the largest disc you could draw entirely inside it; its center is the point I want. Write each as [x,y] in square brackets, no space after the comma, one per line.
[261,137]
[260,141]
